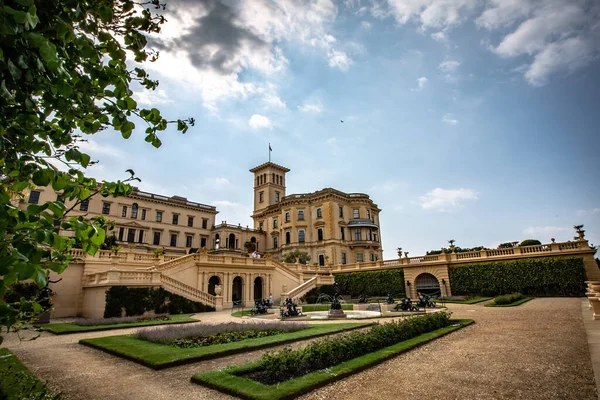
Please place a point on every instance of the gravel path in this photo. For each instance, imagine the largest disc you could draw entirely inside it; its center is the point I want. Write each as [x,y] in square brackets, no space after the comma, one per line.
[535,351]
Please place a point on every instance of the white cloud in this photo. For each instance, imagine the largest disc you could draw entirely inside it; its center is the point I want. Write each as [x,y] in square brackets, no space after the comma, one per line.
[233,213]
[596,211]
[152,97]
[338,59]
[257,121]
[439,36]
[449,119]
[221,181]
[430,13]
[440,199]
[559,36]
[420,84]
[581,213]
[96,150]
[331,140]
[544,232]
[365,25]
[272,100]
[448,66]
[316,108]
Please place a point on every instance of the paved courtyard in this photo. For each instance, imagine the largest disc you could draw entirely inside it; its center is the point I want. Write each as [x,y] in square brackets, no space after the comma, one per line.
[536,351]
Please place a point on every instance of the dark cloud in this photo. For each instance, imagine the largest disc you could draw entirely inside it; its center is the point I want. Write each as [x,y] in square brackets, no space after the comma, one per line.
[216,38]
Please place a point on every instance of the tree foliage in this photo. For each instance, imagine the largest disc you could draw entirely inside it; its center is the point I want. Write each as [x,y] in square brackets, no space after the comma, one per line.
[303,257]
[67,68]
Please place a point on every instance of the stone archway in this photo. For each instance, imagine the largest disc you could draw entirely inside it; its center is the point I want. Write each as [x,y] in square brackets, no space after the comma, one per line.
[428,284]
[237,290]
[258,288]
[212,282]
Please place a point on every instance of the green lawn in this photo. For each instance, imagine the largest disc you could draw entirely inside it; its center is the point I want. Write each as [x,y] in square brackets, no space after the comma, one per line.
[158,356]
[474,300]
[17,383]
[513,304]
[228,380]
[242,313]
[61,329]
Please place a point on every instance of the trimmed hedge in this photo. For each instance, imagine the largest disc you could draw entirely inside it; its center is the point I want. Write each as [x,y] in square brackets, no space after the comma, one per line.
[531,277]
[372,283]
[312,295]
[136,301]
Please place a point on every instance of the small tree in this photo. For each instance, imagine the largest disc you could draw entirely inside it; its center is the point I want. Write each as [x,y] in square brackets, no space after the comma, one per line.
[249,246]
[303,257]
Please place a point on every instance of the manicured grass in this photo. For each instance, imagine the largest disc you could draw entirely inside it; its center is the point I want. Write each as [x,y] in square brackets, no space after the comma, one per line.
[513,304]
[323,307]
[17,383]
[229,381]
[470,301]
[61,329]
[158,356]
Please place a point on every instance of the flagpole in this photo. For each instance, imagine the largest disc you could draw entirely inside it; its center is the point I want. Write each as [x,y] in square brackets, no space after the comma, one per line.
[269,152]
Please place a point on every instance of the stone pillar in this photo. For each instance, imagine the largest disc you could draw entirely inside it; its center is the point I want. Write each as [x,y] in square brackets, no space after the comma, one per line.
[199,279]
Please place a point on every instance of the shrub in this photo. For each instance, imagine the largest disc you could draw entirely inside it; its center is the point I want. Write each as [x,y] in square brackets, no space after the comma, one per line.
[372,283]
[508,298]
[136,301]
[530,242]
[168,334]
[303,257]
[28,290]
[279,366]
[17,383]
[550,276]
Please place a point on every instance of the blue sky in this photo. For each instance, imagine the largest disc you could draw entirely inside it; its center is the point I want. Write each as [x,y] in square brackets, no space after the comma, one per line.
[473,120]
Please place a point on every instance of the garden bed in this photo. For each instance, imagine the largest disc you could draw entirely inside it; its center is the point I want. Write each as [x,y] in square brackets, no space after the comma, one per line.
[65,328]
[513,304]
[16,382]
[237,380]
[473,300]
[159,356]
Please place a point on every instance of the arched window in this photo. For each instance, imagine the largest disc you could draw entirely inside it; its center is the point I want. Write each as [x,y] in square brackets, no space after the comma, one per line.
[134,211]
[287,237]
[231,241]
[217,239]
[321,260]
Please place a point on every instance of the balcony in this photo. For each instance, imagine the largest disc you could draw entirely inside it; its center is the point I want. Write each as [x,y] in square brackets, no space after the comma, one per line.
[362,223]
[362,243]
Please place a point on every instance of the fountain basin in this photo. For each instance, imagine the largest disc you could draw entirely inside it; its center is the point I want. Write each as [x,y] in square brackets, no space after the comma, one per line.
[347,314]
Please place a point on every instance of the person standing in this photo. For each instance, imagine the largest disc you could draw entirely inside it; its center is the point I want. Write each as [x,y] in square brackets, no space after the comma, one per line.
[270,299]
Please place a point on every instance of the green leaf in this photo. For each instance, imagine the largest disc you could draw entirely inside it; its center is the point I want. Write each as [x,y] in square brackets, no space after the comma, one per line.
[42,177]
[48,52]
[64,89]
[15,72]
[85,160]
[19,186]
[39,278]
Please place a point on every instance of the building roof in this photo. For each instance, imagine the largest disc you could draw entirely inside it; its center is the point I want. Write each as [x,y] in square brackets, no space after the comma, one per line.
[271,165]
[175,200]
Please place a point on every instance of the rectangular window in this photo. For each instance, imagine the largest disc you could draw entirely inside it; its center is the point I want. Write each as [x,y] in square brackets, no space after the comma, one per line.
[344,258]
[287,216]
[319,234]
[190,221]
[175,219]
[372,257]
[188,241]
[301,236]
[277,196]
[356,214]
[159,216]
[260,226]
[275,223]
[141,237]
[83,206]
[124,211]
[357,234]
[134,211]
[275,240]
[173,239]
[144,214]
[343,233]
[131,235]
[319,213]
[368,214]
[321,260]
[341,212]
[288,238]
[34,197]
[300,215]
[261,197]
[204,223]
[156,240]
[359,257]
[106,208]
[121,234]
[202,243]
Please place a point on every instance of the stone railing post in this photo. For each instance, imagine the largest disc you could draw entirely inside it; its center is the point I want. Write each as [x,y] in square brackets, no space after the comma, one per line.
[218,303]
[554,247]
[483,253]
[129,256]
[517,250]
[452,256]
[156,277]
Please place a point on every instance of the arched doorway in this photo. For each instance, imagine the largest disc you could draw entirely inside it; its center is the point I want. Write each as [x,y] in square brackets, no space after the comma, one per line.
[427,284]
[217,241]
[236,289]
[258,292]
[212,282]
[231,241]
